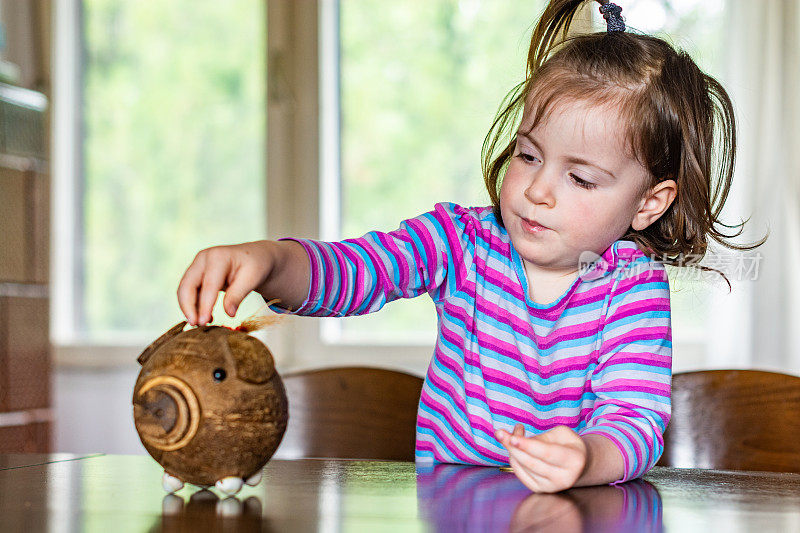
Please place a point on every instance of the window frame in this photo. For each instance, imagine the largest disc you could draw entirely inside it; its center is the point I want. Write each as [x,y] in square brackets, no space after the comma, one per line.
[302,107]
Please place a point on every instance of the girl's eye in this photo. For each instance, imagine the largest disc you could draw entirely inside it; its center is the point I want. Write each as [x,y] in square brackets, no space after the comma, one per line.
[528,158]
[582,183]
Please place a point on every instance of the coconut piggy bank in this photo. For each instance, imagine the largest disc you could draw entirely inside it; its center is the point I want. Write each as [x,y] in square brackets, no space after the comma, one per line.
[209,407]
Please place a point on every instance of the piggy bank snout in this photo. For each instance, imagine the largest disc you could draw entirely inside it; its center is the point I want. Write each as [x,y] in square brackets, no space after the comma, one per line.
[166,413]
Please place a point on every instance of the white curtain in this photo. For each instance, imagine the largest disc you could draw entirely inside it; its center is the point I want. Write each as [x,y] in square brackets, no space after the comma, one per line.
[756,325]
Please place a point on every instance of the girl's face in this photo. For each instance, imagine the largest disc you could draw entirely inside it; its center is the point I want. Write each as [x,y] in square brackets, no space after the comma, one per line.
[571,187]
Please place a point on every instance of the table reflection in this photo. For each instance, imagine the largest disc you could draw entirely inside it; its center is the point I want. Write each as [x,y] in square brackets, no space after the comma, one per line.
[205,511]
[476,498]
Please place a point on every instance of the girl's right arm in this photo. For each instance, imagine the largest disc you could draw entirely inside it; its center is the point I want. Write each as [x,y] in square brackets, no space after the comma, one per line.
[275,269]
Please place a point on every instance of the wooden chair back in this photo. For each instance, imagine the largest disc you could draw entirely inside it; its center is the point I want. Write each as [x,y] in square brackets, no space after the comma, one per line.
[734,420]
[351,412]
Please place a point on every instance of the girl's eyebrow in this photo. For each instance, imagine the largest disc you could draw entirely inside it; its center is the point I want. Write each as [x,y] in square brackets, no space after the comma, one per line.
[570,158]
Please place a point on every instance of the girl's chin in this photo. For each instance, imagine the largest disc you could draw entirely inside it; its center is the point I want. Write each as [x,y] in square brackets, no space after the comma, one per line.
[547,263]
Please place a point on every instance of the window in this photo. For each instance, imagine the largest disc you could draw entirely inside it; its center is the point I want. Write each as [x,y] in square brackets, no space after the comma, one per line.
[169,156]
[376,111]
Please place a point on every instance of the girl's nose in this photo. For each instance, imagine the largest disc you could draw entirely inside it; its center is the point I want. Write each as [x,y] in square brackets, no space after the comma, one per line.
[540,189]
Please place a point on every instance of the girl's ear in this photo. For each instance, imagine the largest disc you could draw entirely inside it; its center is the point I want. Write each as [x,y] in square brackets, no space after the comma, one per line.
[655,202]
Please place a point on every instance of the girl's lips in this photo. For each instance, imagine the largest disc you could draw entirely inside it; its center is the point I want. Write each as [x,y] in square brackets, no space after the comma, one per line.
[531,226]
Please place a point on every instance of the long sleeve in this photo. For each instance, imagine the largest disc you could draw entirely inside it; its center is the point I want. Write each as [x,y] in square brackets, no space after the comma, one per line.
[358,276]
[633,374]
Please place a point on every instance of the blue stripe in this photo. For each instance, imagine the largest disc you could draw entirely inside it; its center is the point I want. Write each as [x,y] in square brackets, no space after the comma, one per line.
[450,277]
[452,433]
[633,462]
[329,262]
[663,343]
[618,395]
[644,315]
[614,367]
[369,297]
[440,446]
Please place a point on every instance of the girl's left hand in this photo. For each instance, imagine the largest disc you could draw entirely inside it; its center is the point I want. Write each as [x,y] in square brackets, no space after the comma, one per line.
[549,462]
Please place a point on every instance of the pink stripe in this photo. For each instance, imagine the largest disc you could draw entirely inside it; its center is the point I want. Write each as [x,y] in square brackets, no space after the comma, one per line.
[540,424]
[337,260]
[475,421]
[390,242]
[398,244]
[647,306]
[530,363]
[657,277]
[329,267]
[517,325]
[431,262]
[637,385]
[639,334]
[424,422]
[648,390]
[457,367]
[452,236]
[619,420]
[357,290]
[629,471]
[494,243]
[561,394]
[590,294]
[638,451]
[644,359]
[569,333]
[445,413]
[385,279]
[520,382]
[315,285]
[622,451]
[498,279]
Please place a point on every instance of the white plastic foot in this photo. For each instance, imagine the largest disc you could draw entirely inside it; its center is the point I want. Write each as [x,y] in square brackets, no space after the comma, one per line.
[230,506]
[255,479]
[170,483]
[230,485]
[171,505]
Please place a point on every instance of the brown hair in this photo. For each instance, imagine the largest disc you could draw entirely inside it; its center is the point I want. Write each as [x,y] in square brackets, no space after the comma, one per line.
[681,124]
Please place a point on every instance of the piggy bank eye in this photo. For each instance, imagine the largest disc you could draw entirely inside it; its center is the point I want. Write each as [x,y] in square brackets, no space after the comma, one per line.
[219,374]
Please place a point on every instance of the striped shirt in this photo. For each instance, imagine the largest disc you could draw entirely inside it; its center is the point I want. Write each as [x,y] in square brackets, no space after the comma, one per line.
[597,359]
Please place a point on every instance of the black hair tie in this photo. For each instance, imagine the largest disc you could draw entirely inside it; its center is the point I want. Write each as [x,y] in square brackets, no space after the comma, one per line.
[613,15]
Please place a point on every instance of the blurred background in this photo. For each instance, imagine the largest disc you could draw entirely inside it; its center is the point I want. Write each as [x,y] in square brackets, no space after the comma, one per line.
[134,134]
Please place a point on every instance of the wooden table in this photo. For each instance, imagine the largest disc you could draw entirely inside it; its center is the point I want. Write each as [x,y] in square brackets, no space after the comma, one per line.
[123,493]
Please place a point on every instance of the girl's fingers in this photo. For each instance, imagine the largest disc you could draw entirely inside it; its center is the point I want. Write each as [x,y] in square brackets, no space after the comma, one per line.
[530,479]
[214,279]
[534,466]
[188,288]
[502,435]
[240,286]
[552,454]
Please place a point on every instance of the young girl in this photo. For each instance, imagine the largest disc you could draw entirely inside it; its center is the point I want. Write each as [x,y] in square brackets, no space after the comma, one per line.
[560,370]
